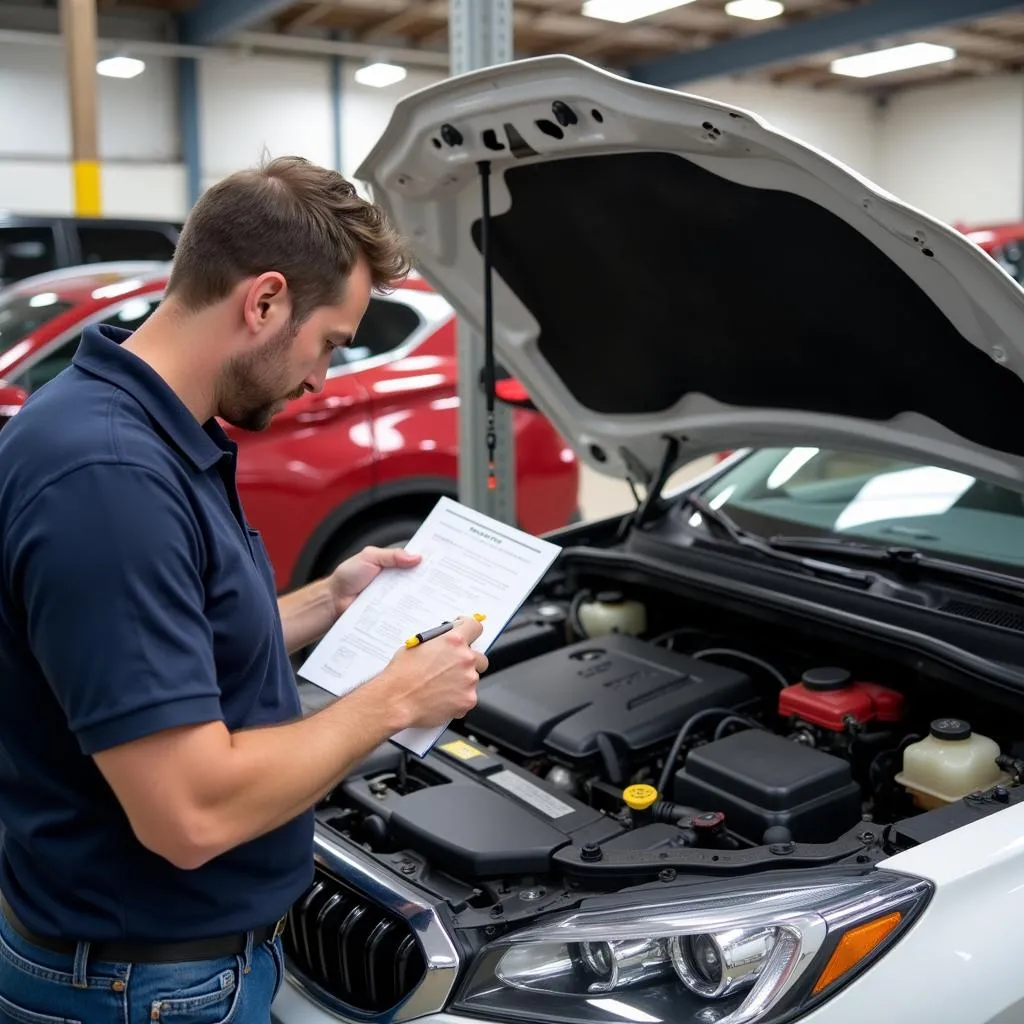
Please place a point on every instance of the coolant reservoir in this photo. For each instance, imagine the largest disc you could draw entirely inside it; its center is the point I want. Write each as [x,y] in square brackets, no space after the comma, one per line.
[610,612]
[950,763]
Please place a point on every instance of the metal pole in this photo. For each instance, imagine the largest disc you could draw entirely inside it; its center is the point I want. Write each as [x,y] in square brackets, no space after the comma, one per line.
[191,139]
[480,35]
[337,85]
[78,26]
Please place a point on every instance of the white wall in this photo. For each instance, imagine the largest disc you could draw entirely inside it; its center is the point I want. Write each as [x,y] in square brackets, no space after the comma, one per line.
[138,137]
[135,120]
[957,151]
[365,111]
[844,126]
[250,104]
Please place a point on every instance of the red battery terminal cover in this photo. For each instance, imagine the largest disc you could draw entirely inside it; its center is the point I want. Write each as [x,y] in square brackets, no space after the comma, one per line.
[830,699]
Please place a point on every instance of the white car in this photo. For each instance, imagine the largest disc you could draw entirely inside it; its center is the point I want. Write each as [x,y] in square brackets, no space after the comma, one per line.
[752,754]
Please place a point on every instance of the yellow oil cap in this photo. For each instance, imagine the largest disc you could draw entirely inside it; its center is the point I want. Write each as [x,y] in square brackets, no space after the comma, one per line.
[639,797]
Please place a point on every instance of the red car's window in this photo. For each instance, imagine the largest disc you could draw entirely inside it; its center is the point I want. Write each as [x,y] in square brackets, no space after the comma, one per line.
[388,323]
[20,315]
[129,316]
[1011,257]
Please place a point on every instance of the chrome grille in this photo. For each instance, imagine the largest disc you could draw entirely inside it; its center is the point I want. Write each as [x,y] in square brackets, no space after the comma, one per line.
[358,952]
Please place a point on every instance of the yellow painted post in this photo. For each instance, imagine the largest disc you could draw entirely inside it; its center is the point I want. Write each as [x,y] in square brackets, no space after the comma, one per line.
[78,26]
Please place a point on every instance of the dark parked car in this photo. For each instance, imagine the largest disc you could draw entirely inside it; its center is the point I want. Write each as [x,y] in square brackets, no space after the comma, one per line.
[32,245]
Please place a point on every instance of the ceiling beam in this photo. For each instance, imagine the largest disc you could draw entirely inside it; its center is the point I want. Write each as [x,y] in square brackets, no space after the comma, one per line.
[396,24]
[860,25]
[214,21]
[295,18]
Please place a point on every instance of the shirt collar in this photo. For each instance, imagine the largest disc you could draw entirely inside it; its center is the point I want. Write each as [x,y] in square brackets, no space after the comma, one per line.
[100,354]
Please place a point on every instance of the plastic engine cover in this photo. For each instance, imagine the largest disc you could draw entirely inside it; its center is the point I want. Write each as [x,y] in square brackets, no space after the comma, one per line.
[472,814]
[636,693]
[759,779]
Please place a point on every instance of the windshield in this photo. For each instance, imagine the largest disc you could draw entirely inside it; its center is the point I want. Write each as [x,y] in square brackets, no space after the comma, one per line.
[21,314]
[823,492]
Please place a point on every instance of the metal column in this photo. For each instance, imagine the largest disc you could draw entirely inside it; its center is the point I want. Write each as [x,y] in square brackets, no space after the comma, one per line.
[337,77]
[78,26]
[188,119]
[480,35]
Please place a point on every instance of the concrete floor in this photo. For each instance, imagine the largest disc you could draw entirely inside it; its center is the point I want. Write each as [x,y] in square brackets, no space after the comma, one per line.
[604,496]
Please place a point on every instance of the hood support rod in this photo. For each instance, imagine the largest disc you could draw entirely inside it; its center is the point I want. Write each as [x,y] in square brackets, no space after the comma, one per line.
[490,385]
[657,484]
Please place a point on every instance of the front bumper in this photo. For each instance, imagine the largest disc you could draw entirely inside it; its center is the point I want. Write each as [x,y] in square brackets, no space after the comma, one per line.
[959,962]
[293,1006]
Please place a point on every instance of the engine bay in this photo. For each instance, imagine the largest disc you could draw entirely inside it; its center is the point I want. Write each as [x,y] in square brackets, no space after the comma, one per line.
[624,738]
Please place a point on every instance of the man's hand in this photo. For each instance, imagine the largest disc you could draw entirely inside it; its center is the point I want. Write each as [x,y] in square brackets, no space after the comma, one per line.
[427,685]
[355,574]
[308,613]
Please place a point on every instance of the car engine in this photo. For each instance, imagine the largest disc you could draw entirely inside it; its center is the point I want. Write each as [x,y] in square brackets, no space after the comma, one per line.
[602,756]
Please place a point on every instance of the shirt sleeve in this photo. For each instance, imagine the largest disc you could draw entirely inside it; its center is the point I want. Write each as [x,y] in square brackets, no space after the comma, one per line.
[107,562]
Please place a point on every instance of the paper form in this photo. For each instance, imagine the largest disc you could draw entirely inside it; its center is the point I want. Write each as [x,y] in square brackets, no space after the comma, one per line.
[470,563]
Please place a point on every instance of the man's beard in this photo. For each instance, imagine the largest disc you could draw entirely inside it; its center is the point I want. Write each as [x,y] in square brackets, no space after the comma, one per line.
[251,385]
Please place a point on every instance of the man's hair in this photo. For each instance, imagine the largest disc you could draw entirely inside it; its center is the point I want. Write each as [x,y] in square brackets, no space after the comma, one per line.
[288,215]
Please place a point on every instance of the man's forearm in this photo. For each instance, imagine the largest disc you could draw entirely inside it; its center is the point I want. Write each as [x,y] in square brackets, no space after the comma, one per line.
[194,792]
[232,788]
[280,772]
[306,614]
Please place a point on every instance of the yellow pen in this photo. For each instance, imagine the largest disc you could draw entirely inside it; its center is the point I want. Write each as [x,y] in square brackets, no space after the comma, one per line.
[429,634]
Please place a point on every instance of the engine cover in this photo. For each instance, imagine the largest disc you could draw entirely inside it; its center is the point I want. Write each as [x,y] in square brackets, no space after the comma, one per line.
[633,692]
[470,813]
[760,780]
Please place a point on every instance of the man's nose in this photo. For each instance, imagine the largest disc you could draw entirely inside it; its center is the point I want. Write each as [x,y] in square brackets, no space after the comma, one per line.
[315,382]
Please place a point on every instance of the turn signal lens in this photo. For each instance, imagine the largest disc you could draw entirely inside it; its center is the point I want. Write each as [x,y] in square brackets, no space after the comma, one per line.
[854,946]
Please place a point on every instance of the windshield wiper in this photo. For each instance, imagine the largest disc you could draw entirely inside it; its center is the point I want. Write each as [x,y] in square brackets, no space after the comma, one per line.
[754,542]
[906,560]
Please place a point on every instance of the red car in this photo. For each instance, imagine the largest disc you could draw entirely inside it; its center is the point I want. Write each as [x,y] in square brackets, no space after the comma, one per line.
[1003,242]
[360,463]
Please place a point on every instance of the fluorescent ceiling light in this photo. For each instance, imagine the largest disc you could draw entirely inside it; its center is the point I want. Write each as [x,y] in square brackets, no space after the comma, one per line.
[754,10]
[120,67]
[896,58]
[380,75]
[622,11]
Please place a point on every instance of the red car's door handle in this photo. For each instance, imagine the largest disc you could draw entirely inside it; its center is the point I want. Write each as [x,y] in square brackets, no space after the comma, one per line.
[321,409]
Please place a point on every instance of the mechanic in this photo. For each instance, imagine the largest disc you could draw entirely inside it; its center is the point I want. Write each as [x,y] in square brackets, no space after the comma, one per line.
[157,777]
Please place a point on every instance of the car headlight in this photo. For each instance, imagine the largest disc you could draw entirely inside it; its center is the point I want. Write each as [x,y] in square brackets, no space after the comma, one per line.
[747,952]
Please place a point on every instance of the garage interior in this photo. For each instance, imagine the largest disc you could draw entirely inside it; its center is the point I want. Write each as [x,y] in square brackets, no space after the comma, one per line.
[936,116]
[804,669]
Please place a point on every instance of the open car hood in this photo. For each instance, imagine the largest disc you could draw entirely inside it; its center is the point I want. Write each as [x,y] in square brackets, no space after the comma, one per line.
[670,267]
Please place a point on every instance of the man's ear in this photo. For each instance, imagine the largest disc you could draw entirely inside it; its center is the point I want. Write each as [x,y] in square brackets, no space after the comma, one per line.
[266,303]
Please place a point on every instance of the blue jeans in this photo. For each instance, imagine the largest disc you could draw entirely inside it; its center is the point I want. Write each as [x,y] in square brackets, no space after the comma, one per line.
[41,987]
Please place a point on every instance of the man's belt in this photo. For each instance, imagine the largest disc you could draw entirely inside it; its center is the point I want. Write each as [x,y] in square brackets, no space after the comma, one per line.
[148,952]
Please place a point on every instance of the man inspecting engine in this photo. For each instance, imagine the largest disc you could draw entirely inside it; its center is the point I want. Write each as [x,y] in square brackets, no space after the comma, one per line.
[156,774]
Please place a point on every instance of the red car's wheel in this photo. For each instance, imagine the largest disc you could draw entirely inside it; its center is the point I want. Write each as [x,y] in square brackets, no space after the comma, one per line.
[387,533]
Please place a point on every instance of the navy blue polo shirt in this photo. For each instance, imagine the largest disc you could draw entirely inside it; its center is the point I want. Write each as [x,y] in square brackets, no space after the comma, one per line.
[134,597]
